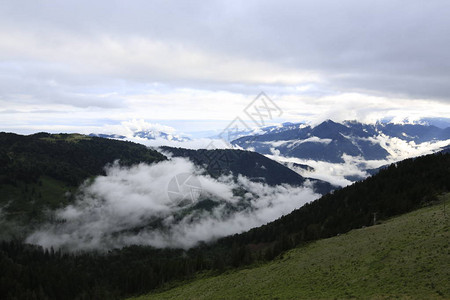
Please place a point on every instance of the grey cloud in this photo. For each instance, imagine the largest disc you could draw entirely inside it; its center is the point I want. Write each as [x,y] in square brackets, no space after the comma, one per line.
[398,47]
[31,83]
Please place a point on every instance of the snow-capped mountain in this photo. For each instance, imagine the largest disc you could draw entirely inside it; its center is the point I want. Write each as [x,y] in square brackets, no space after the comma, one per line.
[147,134]
[331,141]
[153,135]
[231,134]
[137,130]
[109,136]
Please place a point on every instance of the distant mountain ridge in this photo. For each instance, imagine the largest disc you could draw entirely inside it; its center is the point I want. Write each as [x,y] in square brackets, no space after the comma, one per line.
[445,149]
[252,165]
[148,134]
[330,140]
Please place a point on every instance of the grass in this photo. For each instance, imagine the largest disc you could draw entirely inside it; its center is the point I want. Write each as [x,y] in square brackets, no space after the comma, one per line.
[72,137]
[406,257]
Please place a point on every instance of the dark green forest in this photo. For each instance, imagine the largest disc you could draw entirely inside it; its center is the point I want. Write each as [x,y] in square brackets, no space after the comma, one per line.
[31,272]
[42,171]
[70,158]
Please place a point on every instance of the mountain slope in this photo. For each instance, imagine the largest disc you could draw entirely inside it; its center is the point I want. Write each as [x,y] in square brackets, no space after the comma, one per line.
[252,165]
[329,141]
[445,149]
[404,257]
[397,189]
[249,164]
[41,171]
[69,157]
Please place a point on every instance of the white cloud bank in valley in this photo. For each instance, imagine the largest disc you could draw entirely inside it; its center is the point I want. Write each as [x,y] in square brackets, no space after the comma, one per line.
[339,174]
[122,208]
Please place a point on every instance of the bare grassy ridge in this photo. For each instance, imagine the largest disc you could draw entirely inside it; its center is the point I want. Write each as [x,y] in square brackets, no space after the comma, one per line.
[407,257]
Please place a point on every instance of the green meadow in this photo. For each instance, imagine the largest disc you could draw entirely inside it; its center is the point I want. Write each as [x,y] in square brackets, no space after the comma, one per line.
[407,257]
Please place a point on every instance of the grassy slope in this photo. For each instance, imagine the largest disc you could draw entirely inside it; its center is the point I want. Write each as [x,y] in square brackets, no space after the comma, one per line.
[406,257]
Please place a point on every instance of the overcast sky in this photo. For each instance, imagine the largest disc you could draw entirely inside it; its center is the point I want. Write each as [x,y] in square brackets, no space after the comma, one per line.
[195,65]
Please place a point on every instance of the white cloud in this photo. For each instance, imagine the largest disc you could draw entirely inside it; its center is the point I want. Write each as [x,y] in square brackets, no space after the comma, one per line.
[400,149]
[355,167]
[143,59]
[76,63]
[215,109]
[358,106]
[334,173]
[109,208]
[293,143]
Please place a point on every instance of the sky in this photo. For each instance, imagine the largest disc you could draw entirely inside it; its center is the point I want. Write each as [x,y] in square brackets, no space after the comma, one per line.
[84,66]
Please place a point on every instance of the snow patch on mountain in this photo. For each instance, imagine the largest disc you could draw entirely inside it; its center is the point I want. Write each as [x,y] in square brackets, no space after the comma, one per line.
[141,131]
[342,153]
[294,143]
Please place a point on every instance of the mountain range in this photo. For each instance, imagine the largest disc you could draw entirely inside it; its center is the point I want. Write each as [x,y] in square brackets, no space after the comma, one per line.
[147,134]
[330,141]
[37,170]
[43,172]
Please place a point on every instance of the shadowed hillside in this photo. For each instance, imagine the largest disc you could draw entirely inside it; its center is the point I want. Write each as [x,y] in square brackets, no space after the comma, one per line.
[405,257]
[400,188]
[41,171]
[252,165]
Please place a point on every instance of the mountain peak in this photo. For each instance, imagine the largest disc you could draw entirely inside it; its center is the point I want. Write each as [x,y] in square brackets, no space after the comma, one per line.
[329,140]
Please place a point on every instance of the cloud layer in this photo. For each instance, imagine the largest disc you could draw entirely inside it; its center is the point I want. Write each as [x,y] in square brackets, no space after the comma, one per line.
[383,46]
[355,168]
[82,64]
[131,205]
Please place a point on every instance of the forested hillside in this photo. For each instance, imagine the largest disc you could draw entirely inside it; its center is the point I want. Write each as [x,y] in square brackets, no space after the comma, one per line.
[70,158]
[30,271]
[405,257]
[41,171]
[397,189]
